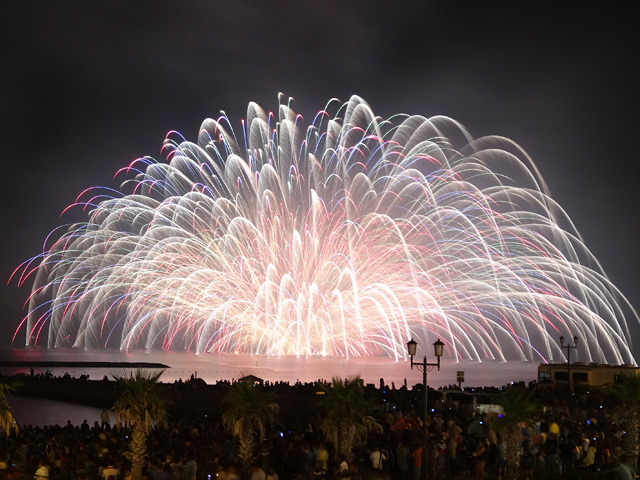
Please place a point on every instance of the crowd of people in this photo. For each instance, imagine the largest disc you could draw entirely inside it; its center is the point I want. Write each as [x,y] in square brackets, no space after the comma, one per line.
[461,444]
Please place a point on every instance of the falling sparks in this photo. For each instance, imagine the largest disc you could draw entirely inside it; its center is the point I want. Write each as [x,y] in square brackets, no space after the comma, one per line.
[344,237]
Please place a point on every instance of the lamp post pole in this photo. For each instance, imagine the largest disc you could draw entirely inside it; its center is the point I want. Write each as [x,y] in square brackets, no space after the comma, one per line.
[425,367]
[569,348]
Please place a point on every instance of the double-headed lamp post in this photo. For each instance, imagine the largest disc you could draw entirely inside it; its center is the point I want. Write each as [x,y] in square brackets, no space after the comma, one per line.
[425,367]
[569,348]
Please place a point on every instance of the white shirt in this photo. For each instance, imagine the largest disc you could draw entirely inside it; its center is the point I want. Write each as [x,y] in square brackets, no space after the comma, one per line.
[376,458]
[42,473]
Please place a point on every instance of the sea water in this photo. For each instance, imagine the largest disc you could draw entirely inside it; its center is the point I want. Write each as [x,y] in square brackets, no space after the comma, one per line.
[213,368]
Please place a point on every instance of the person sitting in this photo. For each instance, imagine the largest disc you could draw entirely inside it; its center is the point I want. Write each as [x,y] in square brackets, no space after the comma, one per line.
[42,473]
[343,468]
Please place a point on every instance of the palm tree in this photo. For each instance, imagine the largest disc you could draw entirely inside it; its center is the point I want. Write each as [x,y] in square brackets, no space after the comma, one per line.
[345,422]
[250,407]
[8,424]
[140,406]
[627,390]
[519,407]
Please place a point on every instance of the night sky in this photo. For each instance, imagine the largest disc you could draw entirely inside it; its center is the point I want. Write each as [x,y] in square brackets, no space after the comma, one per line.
[86,87]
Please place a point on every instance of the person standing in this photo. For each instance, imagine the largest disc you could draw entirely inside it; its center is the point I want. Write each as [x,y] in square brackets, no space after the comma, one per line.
[322,460]
[416,462]
[453,438]
[104,418]
[481,459]
[402,461]
[502,457]
[191,467]
[377,458]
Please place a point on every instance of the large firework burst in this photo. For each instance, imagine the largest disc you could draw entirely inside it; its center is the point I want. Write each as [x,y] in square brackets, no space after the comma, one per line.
[345,237]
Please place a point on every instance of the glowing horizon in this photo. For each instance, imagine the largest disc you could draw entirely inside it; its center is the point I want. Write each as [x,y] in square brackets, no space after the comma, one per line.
[343,238]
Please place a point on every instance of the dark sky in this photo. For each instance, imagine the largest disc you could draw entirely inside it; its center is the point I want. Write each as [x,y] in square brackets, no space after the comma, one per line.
[86,87]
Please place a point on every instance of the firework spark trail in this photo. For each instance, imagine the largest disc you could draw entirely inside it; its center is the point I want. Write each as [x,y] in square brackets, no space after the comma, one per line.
[345,238]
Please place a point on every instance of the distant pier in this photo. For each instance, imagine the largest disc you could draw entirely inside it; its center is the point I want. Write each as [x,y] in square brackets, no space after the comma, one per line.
[54,364]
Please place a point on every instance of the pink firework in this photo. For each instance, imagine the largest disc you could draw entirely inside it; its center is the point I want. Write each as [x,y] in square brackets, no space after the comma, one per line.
[345,237]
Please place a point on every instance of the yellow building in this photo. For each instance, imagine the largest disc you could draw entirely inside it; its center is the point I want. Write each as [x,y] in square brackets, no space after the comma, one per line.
[591,374]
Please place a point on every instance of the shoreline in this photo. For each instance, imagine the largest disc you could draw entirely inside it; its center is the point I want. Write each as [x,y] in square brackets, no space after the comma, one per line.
[90,364]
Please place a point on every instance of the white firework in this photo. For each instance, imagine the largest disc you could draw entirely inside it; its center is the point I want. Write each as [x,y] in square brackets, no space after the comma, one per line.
[345,238]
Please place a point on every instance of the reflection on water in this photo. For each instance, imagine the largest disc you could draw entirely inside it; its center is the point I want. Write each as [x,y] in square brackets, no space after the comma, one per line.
[212,368]
[37,411]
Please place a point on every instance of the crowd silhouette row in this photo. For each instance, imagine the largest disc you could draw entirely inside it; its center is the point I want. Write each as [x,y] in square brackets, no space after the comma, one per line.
[588,438]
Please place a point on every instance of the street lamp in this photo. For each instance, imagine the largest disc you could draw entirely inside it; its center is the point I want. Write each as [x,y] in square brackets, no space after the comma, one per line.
[425,367]
[569,348]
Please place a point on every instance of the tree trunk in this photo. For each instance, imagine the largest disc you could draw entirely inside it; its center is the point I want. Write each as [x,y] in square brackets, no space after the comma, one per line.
[512,437]
[346,437]
[245,447]
[630,439]
[138,450]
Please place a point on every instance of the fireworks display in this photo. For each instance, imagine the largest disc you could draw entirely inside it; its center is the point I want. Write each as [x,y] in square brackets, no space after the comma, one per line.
[343,237]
